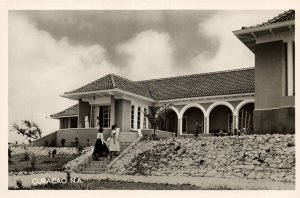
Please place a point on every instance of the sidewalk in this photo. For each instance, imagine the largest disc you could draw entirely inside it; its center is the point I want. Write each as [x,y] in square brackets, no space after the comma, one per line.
[205,182]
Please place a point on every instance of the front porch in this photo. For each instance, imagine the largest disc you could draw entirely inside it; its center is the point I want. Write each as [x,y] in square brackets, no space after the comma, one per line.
[226,114]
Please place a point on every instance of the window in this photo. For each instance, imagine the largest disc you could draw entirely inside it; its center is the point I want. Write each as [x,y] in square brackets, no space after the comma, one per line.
[184,124]
[139,118]
[132,117]
[145,119]
[106,116]
[92,120]
[289,69]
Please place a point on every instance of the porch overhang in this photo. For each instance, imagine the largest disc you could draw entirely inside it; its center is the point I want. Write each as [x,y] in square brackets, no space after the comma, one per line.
[58,117]
[249,36]
[207,99]
[105,93]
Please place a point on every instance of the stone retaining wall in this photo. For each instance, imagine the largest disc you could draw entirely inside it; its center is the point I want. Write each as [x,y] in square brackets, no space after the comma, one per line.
[253,157]
[44,150]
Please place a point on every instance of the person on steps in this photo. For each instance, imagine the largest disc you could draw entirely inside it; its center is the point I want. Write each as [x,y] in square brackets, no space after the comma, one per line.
[98,150]
[114,145]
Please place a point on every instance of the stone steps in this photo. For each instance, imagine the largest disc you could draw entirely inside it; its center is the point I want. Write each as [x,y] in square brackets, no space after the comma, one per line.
[96,167]
[100,166]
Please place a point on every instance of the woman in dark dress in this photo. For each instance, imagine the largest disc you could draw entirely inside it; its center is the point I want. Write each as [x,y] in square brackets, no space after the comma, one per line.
[98,150]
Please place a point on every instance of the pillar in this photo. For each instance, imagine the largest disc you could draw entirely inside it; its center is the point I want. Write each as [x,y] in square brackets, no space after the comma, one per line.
[206,124]
[235,120]
[112,111]
[179,128]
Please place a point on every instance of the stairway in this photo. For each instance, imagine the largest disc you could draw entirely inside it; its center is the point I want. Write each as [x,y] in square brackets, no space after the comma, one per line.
[96,167]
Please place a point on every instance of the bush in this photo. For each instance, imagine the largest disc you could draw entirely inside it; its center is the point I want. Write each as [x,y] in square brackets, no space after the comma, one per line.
[53,153]
[26,156]
[19,184]
[33,161]
[49,155]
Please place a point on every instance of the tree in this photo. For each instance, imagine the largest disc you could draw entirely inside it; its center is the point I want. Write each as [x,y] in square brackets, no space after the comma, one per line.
[28,129]
[163,113]
[156,113]
[153,117]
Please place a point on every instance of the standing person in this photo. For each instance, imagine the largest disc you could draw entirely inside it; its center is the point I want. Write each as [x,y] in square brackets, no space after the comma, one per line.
[97,125]
[114,145]
[197,129]
[98,150]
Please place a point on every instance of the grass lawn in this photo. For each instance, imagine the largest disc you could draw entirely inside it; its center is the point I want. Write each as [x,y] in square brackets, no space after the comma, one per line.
[42,163]
[120,185]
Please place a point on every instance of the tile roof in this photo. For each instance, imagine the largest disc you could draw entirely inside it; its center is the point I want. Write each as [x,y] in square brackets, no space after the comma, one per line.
[188,86]
[112,81]
[131,86]
[199,85]
[71,111]
[103,83]
[285,16]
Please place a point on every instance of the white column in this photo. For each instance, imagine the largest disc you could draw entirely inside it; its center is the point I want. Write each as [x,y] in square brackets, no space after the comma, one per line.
[179,127]
[135,117]
[112,113]
[142,118]
[206,124]
[235,120]
[290,69]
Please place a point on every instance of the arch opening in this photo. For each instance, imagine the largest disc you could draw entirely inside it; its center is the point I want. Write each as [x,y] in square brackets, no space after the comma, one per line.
[220,118]
[190,118]
[246,117]
[170,123]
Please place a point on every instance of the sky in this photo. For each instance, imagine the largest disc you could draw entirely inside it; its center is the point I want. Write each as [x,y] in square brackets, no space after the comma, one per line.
[51,52]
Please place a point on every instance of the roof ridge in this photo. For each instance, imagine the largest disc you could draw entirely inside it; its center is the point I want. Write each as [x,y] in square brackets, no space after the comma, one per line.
[280,15]
[70,107]
[112,80]
[199,74]
[135,82]
[272,20]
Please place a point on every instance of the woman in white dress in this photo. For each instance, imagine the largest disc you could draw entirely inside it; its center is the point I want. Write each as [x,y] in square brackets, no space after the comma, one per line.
[114,145]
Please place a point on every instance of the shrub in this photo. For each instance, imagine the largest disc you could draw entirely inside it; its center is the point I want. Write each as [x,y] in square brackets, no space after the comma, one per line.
[26,156]
[19,184]
[53,153]
[49,155]
[33,161]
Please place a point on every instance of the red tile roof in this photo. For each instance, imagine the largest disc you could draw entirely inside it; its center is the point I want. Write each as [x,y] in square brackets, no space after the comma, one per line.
[197,85]
[188,86]
[112,81]
[200,85]
[69,112]
[285,16]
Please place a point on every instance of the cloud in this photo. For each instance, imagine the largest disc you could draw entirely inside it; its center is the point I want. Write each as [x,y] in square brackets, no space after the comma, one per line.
[41,68]
[148,55]
[231,53]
